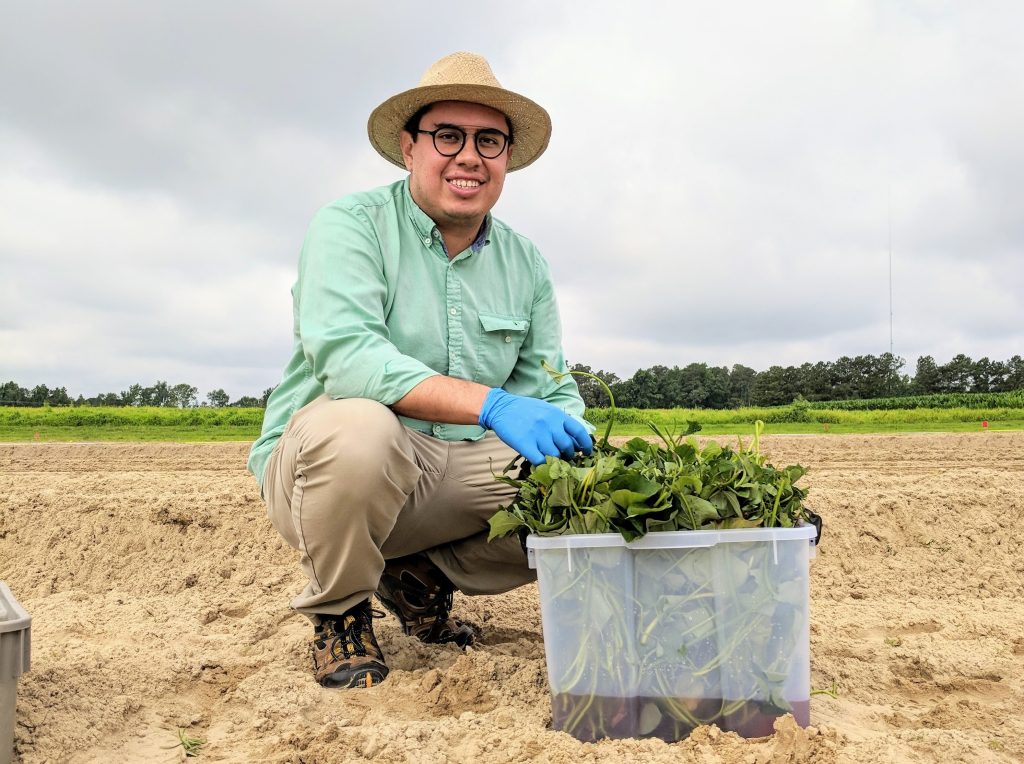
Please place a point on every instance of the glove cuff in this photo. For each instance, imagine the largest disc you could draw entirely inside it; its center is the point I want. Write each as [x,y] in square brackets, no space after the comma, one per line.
[493,399]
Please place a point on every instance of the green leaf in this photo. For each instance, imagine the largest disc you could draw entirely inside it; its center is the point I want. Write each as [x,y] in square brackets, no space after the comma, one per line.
[541,474]
[733,501]
[645,508]
[635,483]
[597,523]
[577,524]
[557,375]
[687,484]
[607,509]
[561,494]
[636,446]
[710,451]
[686,452]
[631,530]
[739,522]
[503,523]
[795,472]
[558,468]
[654,526]
[641,487]
[700,508]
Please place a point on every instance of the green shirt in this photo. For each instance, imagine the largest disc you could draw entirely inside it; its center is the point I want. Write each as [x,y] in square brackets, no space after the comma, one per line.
[378,307]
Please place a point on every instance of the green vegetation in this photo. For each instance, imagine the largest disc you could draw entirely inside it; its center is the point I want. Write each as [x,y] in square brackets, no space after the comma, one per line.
[182,395]
[1013,400]
[642,487]
[802,418]
[129,416]
[90,434]
[860,378]
[701,661]
[832,692]
[191,745]
[856,380]
[126,423]
[90,423]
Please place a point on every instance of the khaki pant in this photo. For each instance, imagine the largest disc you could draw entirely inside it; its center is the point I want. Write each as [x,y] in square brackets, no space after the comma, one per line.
[349,487]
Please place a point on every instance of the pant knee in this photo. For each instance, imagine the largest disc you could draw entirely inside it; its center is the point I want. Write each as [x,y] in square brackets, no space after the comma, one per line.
[355,443]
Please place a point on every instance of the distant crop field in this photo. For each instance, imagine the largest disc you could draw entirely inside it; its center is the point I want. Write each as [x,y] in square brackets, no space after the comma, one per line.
[90,423]
[83,423]
[805,418]
[126,416]
[1013,399]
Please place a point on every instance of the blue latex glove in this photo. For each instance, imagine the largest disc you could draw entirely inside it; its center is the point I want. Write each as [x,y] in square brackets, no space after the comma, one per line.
[533,427]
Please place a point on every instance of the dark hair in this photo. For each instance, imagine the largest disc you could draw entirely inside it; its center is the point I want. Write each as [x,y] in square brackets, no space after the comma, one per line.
[413,123]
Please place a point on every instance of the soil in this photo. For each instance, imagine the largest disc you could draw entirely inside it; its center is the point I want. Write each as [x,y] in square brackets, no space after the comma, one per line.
[158,592]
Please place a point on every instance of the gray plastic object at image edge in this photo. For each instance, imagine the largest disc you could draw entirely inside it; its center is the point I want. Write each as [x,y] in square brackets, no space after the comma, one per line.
[15,656]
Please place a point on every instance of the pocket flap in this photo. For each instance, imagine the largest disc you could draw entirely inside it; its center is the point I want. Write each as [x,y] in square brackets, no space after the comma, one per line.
[493,323]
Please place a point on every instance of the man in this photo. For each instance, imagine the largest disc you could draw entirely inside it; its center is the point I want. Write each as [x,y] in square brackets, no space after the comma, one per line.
[420,325]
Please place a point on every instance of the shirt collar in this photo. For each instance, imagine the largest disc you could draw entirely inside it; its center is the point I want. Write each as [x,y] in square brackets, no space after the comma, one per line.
[482,238]
[426,228]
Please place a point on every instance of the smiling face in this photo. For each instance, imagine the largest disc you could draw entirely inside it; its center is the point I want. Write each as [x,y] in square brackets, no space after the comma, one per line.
[457,191]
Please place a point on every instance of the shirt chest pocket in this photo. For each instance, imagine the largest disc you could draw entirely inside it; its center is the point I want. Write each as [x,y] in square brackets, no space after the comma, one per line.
[500,340]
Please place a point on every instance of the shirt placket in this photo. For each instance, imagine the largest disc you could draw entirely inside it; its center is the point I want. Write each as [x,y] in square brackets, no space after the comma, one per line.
[456,335]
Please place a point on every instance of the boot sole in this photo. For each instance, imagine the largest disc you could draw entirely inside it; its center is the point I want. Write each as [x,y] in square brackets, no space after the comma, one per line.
[358,679]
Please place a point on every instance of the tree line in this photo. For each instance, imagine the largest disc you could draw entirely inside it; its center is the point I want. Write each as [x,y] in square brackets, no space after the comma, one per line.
[697,385]
[160,394]
[701,386]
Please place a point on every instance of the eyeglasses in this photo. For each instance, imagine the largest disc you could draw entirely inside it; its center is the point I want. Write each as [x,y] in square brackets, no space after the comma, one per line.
[449,140]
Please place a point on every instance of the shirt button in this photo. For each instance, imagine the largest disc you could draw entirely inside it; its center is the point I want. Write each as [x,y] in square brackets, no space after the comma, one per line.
[426,241]
[437,429]
[454,311]
[507,338]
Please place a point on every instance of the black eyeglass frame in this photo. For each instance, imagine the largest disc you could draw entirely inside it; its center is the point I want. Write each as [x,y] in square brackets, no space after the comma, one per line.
[464,134]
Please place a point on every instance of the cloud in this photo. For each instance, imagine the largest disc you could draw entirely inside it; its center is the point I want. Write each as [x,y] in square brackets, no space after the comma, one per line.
[724,183]
[745,176]
[112,285]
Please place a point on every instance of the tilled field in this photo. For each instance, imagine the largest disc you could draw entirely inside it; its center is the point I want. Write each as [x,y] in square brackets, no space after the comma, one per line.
[159,595]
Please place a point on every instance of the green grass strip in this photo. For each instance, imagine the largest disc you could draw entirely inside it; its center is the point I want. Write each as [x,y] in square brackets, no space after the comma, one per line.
[71,424]
[90,433]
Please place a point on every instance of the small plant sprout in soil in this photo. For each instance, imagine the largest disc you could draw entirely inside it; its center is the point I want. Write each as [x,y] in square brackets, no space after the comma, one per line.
[191,745]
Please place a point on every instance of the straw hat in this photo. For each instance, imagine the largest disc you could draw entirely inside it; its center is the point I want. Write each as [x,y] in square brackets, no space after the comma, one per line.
[462,77]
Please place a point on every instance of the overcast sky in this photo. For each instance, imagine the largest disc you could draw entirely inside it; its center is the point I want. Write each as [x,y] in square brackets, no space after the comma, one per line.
[720,185]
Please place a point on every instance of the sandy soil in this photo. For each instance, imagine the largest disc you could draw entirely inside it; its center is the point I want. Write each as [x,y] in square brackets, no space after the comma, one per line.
[159,595]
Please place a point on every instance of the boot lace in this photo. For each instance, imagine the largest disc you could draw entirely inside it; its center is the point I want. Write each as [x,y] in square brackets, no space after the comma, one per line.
[361,624]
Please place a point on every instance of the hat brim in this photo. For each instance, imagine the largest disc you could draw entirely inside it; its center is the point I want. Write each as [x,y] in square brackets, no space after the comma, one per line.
[531,125]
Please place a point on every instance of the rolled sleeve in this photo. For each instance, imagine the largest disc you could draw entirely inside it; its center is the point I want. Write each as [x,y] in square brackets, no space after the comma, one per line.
[341,298]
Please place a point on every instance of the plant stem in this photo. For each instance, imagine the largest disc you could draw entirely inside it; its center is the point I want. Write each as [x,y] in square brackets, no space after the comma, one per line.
[559,375]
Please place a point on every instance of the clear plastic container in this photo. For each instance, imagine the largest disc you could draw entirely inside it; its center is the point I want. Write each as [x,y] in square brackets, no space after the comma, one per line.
[655,637]
[15,644]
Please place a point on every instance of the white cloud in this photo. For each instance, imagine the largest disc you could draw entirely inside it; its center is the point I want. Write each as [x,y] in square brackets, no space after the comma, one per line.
[719,186]
[118,288]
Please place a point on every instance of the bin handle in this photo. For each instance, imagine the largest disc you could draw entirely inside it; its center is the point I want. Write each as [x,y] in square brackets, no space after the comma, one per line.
[815,520]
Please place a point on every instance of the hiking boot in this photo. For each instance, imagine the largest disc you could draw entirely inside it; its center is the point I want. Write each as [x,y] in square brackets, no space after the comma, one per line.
[345,652]
[420,596]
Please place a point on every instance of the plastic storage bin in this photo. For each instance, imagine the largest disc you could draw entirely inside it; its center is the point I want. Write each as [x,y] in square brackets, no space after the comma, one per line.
[15,642]
[655,637]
